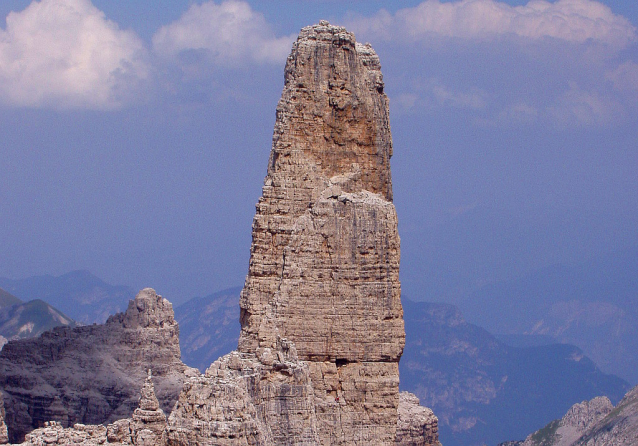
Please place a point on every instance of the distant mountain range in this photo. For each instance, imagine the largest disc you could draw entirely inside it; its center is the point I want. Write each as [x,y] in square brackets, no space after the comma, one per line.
[209,327]
[592,305]
[8,299]
[30,319]
[78,294]
[482,390]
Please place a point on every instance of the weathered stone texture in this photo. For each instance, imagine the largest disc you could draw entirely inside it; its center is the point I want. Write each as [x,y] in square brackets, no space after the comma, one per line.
[324,268]
[147,427]
[593,423]
[418,426]
[4,435]
[321,316]
[325,248]
[244,399]
[92,374]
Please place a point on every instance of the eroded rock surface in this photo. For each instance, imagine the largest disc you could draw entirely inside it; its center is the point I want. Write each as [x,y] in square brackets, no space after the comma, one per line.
[147,427]
[324,269]
[593,423]
[92,374]
[321,318]
[417,426]
[246,400]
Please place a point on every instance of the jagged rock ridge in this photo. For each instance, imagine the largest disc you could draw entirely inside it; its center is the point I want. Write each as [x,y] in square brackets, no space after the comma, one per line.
[593,423]
[92,374]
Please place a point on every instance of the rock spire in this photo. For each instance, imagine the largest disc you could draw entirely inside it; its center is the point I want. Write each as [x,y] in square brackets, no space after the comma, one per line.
[321,318]
[324,268]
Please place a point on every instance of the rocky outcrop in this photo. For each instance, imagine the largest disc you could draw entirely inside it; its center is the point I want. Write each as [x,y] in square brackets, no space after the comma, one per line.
[4,435]
[321,319]
[245,400]
[92,374]
[417,426]
[324,269]
[147,427]
[593,423]
[578,419]
[323,279]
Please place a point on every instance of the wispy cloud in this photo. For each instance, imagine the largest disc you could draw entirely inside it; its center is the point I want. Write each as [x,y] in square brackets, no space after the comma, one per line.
[66,54]
[562,63]
[624,77]
[585,107]
[230,33]
[569,20]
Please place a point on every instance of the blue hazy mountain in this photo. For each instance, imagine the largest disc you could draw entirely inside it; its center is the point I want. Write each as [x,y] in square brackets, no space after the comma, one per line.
[209,327]
[592,304]
[484,391]
[79,294]
[481,389]
[30,319]
[8,299]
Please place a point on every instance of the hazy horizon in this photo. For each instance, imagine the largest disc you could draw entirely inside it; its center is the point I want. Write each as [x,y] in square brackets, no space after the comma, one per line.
[138,154]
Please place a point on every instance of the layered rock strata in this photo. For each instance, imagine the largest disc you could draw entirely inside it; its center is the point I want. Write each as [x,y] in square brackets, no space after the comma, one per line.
[324,268]
[92,374]
[417,426]
[147,427]
[321,318]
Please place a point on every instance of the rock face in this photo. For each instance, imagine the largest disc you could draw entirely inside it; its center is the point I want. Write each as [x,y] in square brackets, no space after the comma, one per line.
[4,435]
[417,424]
[92,374]
[147,427]
[324,268]
[593,423]
[321,318]
[242,400]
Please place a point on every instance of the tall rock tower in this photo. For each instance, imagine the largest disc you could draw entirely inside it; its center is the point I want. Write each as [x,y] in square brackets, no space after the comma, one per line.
[324,266]
[321,319]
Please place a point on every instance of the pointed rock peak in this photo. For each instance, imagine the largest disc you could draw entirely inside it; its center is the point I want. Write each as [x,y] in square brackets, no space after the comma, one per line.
[148,309]
[148,400]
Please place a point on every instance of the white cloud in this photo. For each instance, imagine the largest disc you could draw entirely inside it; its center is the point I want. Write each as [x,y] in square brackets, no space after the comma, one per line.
[66,54]
[230,33]
[575,21]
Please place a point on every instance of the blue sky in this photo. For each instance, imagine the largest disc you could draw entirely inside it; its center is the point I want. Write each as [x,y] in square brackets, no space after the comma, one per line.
[135,134]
